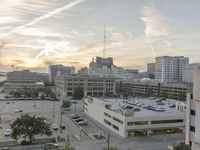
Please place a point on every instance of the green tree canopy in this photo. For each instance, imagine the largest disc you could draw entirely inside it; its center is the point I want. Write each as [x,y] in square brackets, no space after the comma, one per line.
[66,104]
[182,146]
[111,148]
[27,126]
[78,93]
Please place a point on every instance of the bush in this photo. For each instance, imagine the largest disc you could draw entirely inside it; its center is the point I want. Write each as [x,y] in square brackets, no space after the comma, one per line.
[25,142]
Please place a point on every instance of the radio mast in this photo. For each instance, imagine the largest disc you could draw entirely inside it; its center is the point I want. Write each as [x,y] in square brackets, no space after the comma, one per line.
[104,47]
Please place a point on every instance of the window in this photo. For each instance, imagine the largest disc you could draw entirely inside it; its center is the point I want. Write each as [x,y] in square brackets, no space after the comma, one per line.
[137,123]
[106,114]
[192,128]
[117,120]
[166,121]
[69,93]
[107,122]
[192,112]
[116,127]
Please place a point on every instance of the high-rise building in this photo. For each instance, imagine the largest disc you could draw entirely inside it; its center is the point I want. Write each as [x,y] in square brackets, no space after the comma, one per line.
[193,114]
[151,70]
[188,72]
[58,70]
[170,69]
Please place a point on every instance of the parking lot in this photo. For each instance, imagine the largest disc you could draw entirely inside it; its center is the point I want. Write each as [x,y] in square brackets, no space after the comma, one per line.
[10,110]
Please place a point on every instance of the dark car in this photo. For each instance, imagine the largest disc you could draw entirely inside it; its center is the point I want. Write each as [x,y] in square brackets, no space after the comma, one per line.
[62,126]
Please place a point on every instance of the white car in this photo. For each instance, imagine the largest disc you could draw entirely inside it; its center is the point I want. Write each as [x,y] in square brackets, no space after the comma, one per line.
[55,126]
[8,132]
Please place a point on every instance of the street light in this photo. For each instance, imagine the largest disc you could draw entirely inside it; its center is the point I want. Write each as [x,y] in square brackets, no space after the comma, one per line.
[80,132]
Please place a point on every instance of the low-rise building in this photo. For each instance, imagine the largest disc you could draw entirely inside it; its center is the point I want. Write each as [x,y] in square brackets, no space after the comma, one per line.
[23,79]
[152,88]
[136,116]
[92,85]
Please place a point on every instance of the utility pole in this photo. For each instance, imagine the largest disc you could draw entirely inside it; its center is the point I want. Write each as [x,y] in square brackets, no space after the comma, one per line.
[53,109]
[60,119]
[108,141]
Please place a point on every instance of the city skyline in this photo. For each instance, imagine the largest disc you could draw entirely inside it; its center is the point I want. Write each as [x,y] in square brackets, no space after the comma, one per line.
[36,33]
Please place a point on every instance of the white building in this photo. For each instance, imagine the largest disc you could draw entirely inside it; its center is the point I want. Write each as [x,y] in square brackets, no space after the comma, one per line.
[131,117]
[58,70]
[170,69]
[188,72]
[193,114]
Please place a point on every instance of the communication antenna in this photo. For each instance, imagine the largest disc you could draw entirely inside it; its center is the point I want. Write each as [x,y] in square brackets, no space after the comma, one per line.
[104,47]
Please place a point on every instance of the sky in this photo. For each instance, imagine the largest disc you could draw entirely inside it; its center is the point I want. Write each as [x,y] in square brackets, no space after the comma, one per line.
[37,33]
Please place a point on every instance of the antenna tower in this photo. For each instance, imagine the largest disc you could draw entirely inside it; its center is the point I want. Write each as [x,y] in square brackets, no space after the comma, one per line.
[104,47]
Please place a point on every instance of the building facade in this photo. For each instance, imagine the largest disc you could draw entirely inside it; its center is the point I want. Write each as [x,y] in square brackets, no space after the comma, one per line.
[23,79]
[170,69]
[188,72]
[151,70]
[127,122]
[92,85]
[152,88]
[58,70]
[193,114]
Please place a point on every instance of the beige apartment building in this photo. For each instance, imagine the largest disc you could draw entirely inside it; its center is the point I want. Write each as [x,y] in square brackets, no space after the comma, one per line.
[92,85]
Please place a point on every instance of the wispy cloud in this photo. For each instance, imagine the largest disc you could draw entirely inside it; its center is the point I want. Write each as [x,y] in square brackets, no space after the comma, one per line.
[156,25]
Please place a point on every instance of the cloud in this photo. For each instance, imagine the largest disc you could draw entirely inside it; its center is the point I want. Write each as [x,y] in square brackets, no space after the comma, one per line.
[43,17]
[156,25]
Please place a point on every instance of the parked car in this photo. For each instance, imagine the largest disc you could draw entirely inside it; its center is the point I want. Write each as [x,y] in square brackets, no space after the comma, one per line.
[55,126]
[62,126]
[84,122]
[11,122]
[8,132]
[4,148]
[172,106]
[160,110]
[50,145]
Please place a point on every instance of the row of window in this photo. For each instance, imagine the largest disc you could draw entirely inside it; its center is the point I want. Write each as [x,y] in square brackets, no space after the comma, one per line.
[109,123]
[154,122]
[114,118]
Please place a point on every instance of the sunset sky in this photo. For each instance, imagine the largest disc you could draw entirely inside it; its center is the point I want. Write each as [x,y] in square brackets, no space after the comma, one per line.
[36,33]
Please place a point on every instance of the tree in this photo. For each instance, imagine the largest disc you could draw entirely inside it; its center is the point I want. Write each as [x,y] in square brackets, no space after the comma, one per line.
[78,93]
[182,146]
[68,146]
[27,126]
[66,104]
[111,148]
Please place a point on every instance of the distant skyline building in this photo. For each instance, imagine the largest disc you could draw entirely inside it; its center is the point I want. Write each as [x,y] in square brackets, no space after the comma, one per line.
[151,70]
[101,62]
[58,70]
[169,68]
[24,79]
[104,67]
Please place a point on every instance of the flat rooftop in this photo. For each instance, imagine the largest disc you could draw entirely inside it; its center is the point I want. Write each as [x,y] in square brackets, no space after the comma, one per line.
[168,105]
